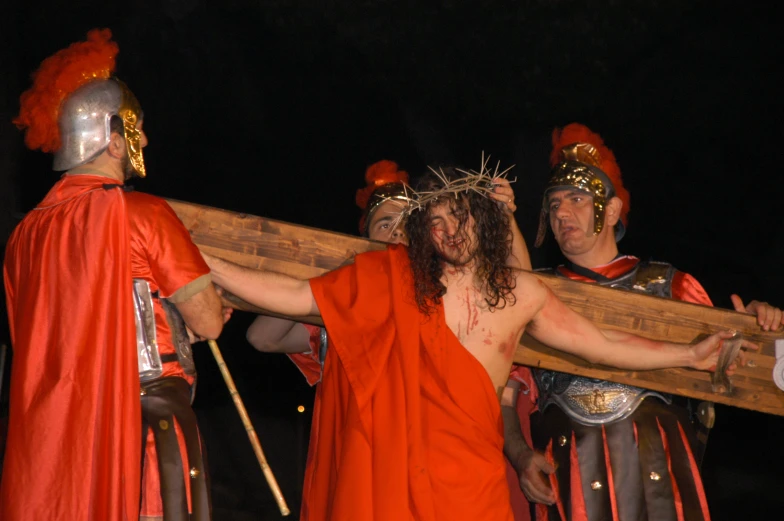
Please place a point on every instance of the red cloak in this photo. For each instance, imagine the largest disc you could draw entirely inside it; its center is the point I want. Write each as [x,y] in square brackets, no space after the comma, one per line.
[74,439]
[410,426]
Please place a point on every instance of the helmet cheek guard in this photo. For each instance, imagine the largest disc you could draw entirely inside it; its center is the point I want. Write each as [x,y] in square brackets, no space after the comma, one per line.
[131,112]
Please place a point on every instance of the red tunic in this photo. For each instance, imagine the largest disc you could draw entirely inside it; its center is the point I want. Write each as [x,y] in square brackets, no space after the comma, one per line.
[163,254]
[410,425]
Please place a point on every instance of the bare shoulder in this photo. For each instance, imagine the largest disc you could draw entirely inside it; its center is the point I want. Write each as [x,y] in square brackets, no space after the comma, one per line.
[529,288]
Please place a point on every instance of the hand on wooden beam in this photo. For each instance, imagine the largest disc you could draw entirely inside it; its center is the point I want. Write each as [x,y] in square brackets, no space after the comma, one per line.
[770,318]
[706,353]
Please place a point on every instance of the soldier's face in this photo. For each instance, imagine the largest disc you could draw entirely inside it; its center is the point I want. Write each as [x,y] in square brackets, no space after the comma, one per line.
[382,224]
[571,219]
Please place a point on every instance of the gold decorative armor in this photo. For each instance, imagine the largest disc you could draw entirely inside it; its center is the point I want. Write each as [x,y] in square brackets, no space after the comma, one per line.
[130,112]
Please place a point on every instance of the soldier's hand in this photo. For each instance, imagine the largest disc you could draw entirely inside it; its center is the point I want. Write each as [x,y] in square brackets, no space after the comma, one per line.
[769,318]
[504,194]
[534,478]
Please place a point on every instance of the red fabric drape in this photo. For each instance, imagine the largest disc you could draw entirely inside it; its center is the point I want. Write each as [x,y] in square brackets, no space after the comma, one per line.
[74,439]
[410,426]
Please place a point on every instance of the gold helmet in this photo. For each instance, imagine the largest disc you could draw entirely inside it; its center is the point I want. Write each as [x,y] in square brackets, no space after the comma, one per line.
[581,160]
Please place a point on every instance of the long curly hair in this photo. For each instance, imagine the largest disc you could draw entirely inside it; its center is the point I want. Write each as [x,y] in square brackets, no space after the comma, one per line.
[494,244]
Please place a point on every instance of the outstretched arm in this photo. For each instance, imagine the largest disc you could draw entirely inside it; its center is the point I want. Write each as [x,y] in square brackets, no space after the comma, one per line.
[268,290]
[558,326]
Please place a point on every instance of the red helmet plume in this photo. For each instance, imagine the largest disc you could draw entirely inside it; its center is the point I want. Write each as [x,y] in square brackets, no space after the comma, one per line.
[578,133]
[57,77]
[379,174]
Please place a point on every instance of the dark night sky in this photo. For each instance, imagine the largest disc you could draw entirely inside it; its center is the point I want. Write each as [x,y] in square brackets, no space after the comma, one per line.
[276,108]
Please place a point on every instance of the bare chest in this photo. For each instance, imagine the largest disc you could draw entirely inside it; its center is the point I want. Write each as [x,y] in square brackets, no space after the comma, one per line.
[490,335]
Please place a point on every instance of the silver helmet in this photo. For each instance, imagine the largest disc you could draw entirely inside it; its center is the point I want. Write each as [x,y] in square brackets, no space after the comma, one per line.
[85,118]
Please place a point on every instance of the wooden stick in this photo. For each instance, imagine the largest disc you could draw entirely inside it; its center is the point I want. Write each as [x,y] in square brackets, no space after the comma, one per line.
[254,439]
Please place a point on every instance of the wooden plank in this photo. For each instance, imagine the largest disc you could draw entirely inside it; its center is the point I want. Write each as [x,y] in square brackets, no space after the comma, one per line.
[305,252]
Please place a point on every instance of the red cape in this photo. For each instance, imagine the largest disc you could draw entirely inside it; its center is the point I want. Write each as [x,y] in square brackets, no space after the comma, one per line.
[410,426]
[74,440]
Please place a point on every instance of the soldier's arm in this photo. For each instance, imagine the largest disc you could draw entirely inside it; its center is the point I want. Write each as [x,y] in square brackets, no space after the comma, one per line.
[200,308]
[278,335]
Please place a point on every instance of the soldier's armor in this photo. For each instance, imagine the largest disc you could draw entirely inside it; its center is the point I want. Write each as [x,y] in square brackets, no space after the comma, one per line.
[150,359]
[590,401]
[166,400]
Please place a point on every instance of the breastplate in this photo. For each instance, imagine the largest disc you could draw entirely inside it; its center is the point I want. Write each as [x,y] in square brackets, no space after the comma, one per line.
[594,402]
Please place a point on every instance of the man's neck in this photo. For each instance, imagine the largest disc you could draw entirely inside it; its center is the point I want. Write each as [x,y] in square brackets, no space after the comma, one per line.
[99,166]
[459,276]
[595,257]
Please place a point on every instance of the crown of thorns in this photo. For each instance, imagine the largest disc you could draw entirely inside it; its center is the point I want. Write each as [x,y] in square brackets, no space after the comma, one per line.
[481,182]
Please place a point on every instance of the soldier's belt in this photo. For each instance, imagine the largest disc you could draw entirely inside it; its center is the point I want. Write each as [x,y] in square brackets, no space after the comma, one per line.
[595,402]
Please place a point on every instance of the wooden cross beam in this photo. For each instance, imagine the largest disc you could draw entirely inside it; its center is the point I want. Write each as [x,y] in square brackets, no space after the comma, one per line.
[305,252]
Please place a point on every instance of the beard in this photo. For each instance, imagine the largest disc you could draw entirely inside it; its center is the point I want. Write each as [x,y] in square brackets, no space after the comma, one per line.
[127,168]
[460,255]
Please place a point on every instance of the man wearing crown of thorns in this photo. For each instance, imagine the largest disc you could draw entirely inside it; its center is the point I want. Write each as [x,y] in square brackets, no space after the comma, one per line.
[421,343]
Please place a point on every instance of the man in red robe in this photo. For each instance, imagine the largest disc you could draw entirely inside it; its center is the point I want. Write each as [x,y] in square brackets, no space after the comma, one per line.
[421,344]
[382,200]
[634,455]
[78,268]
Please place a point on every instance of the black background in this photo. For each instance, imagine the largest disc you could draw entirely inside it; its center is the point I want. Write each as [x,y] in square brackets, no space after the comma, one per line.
[276,108]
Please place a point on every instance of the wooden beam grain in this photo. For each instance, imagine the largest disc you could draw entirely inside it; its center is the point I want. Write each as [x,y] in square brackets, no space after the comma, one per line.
[305,252]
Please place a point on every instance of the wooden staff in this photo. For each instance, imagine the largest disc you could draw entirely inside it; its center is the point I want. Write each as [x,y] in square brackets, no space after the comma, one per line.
[254,439]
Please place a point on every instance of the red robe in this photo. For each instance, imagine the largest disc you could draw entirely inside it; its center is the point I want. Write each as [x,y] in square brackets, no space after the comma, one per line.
[73,451]
[410,425]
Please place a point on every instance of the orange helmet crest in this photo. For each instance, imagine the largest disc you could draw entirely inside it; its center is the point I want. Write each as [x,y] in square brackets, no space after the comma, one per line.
[385,174]
[58,76]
